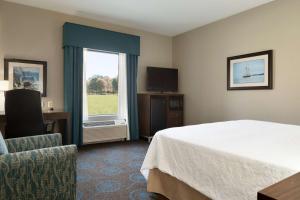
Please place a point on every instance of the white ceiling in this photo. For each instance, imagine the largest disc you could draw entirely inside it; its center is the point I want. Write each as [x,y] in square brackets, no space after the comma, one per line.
[167,17]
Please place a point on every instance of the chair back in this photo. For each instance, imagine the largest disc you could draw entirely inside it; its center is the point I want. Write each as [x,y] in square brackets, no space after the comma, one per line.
[23,112]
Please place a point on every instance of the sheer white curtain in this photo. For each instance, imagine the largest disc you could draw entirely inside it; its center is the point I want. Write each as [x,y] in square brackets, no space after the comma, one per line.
[85,115]
[122,91]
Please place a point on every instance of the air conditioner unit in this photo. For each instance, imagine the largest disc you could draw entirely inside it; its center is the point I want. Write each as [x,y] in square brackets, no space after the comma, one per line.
[103,131]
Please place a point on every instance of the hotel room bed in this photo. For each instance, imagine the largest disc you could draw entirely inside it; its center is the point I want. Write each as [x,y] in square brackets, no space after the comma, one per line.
[221,161]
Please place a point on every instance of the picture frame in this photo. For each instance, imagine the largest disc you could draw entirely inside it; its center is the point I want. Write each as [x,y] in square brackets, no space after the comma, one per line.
[26,74]
[252,71]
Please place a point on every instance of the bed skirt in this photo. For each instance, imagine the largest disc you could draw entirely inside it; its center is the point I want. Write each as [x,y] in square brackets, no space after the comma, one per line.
[170,187]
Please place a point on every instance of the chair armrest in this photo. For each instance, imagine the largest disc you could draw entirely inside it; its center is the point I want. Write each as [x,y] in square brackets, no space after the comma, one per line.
[33,142]
[48,173]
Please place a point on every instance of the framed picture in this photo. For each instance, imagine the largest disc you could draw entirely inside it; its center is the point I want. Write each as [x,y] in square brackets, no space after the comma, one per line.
[26,74]
[250,71]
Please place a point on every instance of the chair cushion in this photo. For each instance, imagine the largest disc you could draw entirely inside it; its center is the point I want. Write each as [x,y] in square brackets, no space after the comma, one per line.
[3,147]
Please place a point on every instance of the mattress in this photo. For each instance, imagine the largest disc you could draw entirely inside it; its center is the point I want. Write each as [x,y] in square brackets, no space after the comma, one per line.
[227,160]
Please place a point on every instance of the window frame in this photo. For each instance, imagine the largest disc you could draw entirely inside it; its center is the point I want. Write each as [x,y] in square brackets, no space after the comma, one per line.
[104,117]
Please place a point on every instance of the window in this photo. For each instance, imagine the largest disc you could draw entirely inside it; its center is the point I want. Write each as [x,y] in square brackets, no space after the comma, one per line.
[101,70]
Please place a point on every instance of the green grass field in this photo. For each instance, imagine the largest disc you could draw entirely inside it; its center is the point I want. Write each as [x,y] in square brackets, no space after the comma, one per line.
[102,104]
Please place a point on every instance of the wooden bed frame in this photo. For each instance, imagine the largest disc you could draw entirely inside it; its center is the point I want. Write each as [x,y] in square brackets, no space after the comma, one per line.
[174,189]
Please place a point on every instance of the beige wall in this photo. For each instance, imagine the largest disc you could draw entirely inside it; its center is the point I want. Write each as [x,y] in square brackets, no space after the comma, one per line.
[1,35]
[31,33]
[201,56]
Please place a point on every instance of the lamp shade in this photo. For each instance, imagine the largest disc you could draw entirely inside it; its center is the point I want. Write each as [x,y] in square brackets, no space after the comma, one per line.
[4,85]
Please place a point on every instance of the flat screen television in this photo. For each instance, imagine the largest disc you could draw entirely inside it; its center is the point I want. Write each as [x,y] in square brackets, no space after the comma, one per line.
[162,79]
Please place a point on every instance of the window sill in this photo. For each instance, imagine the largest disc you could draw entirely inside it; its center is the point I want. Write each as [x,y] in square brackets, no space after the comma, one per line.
[104,126]
[102,118]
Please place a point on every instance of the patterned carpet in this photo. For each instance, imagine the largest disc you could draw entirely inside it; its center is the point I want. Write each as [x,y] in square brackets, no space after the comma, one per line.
[111,171]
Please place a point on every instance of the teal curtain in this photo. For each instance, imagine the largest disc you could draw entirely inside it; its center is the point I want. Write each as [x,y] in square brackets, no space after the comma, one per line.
[75,38]
[73,69]
[132,69]
[101,39]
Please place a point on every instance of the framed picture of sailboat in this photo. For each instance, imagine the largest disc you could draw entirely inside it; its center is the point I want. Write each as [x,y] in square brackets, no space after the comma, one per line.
[252,71]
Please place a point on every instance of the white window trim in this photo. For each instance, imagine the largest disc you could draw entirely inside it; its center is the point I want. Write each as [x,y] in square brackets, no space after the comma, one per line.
[122,98]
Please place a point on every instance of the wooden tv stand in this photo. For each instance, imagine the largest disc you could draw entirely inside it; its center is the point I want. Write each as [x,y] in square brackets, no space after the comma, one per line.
[158,111]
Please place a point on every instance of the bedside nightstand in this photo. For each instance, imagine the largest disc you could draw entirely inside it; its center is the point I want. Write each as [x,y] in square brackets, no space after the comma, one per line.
[287,189]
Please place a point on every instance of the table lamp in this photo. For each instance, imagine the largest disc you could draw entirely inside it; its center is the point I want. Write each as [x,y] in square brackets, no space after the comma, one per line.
[4,86]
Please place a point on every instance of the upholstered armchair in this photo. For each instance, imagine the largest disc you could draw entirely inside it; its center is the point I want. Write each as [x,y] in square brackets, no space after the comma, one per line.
[38,167]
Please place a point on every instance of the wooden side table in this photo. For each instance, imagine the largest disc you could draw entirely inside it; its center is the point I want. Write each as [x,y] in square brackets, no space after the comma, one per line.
[287,189]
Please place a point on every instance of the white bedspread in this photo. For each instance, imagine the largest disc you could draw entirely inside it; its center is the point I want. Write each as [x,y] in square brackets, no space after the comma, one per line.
[227,160]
